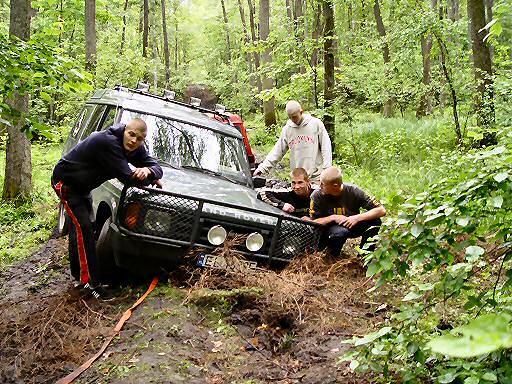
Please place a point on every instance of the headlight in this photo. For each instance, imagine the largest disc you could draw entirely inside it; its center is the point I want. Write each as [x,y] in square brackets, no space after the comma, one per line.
[217,235]
[158,221]
[254,242]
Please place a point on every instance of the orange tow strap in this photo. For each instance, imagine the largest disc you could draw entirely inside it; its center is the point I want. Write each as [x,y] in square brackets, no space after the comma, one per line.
[77,372]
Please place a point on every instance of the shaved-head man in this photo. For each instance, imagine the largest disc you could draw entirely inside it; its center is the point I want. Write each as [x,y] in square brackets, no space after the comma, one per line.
[116,152]
[337,206]
[306,138]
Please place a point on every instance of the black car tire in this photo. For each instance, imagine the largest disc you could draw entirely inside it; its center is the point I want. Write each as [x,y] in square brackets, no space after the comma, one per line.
[62,221]
[108,271]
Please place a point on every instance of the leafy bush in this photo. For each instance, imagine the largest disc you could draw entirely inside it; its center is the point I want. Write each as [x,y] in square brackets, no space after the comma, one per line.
[452,246]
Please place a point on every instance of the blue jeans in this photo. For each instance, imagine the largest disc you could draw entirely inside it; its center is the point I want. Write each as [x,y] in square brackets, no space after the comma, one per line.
[335,235]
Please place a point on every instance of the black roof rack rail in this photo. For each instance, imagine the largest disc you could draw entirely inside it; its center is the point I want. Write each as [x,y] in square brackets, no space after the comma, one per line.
[119,87]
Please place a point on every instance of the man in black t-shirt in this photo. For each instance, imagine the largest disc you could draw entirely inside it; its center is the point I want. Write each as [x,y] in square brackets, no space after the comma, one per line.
[295,201]
[337,206]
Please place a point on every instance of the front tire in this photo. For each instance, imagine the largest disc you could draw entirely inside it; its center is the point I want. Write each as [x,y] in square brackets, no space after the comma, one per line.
[108,271]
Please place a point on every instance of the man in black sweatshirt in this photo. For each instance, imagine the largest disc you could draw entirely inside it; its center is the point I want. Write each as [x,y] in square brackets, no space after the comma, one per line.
[296,201]
[117,152]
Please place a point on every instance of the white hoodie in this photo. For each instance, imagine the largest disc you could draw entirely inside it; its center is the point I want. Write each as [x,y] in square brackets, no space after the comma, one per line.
[309,144]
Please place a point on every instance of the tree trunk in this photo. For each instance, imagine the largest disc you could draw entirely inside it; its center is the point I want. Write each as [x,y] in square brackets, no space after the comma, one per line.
[329,121]
[90,35]
[226,28]
[290,17]
[425,107]
[453,10]
[254,41]
[388,105]
[247,38]
[18,158]
[155,54]
[484,103]
[166,45]
[298,20]
[317,31]
[123,34]
[444,54]
[488,18]
[145,28]
[269,111]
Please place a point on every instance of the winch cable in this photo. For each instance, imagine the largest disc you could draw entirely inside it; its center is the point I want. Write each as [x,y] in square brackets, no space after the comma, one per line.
[126,315]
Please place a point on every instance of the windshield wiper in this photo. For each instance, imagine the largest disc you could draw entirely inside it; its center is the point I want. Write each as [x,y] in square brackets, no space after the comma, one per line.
[209,172]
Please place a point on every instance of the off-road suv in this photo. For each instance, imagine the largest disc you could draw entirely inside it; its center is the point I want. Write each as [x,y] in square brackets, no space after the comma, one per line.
[207,191]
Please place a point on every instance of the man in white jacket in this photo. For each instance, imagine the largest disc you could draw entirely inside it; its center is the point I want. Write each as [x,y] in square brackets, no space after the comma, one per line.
[308,141]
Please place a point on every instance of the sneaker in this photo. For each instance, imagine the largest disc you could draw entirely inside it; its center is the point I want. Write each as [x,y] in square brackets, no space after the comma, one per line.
[99,292]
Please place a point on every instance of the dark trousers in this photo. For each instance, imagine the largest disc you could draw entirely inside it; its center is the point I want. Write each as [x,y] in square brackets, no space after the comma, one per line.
[82,246]
[335,235]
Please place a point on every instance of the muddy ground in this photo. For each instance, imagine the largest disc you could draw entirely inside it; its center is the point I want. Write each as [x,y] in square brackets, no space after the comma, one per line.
[262,327]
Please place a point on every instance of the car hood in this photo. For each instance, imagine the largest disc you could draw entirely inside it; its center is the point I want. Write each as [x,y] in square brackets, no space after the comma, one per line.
[203,186]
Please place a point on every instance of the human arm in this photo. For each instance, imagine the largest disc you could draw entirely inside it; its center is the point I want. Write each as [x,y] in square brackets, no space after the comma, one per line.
[276,199]
[325,146]
[275,155]
[351,221]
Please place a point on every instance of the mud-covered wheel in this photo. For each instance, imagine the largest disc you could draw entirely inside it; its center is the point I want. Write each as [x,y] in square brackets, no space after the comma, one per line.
[62,221]
[108,272]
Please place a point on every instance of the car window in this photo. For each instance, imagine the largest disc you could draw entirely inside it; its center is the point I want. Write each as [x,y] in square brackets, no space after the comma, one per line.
[93,122]
[83,117]
[109,119]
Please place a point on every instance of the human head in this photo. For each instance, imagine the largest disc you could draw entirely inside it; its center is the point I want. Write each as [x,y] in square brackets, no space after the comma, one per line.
[294,111]
[331,181]
[134,134]
[300,182]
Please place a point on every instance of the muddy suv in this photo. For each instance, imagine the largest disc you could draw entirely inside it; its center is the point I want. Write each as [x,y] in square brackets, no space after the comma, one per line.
[207,191]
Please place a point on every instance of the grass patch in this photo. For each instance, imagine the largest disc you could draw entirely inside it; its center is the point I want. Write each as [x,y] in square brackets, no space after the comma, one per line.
[23,229]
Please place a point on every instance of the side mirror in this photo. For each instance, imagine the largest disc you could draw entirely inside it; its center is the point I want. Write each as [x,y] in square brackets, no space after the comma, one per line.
[259,182]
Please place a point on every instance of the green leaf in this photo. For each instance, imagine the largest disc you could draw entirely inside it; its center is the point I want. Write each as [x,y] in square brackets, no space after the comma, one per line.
[501,176]
[473,252]
[373,268]
[490,376]
[46,97]
[372,336]
[462,221]
[471,380]
[446,378]
[484,334]
[412,296]
[496,201]
[417,229]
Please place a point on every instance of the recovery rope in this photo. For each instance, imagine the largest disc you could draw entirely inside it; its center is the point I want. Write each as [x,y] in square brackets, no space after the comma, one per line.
[77,372]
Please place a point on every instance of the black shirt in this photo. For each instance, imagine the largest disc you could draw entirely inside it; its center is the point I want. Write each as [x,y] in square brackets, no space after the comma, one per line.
[101,157]
[278,198]
[349,203]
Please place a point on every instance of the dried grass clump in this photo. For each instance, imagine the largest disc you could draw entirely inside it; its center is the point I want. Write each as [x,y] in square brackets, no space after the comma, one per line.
[316,292]
[40,335]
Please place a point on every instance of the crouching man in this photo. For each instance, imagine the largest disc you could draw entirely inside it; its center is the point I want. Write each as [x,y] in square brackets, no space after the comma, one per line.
[296,201]
[337,206]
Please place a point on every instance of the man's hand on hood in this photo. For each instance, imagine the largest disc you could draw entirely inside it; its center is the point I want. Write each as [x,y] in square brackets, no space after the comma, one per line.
[141,173]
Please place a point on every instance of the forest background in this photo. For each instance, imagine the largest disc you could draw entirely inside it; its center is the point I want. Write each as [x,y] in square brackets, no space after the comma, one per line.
[415,96]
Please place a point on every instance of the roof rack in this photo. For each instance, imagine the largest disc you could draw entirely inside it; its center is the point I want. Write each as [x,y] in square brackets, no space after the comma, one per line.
[170,98]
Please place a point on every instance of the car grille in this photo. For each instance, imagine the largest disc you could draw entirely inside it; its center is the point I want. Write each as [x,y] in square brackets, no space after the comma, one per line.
[171,217]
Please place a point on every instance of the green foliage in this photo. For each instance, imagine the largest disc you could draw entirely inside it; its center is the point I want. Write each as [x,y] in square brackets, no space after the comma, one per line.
[451,245]
[24,228]
[36,69]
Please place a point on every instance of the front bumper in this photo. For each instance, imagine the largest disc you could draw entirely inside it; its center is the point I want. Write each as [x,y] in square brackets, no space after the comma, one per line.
[167,225]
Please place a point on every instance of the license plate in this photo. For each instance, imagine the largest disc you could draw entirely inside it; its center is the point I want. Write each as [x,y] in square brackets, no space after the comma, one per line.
[219,262]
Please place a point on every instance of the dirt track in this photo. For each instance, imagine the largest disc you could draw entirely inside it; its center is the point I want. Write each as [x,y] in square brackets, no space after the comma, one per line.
[182,334]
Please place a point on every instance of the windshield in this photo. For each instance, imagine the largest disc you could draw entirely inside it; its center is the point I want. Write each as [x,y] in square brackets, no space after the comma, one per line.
[188,146]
